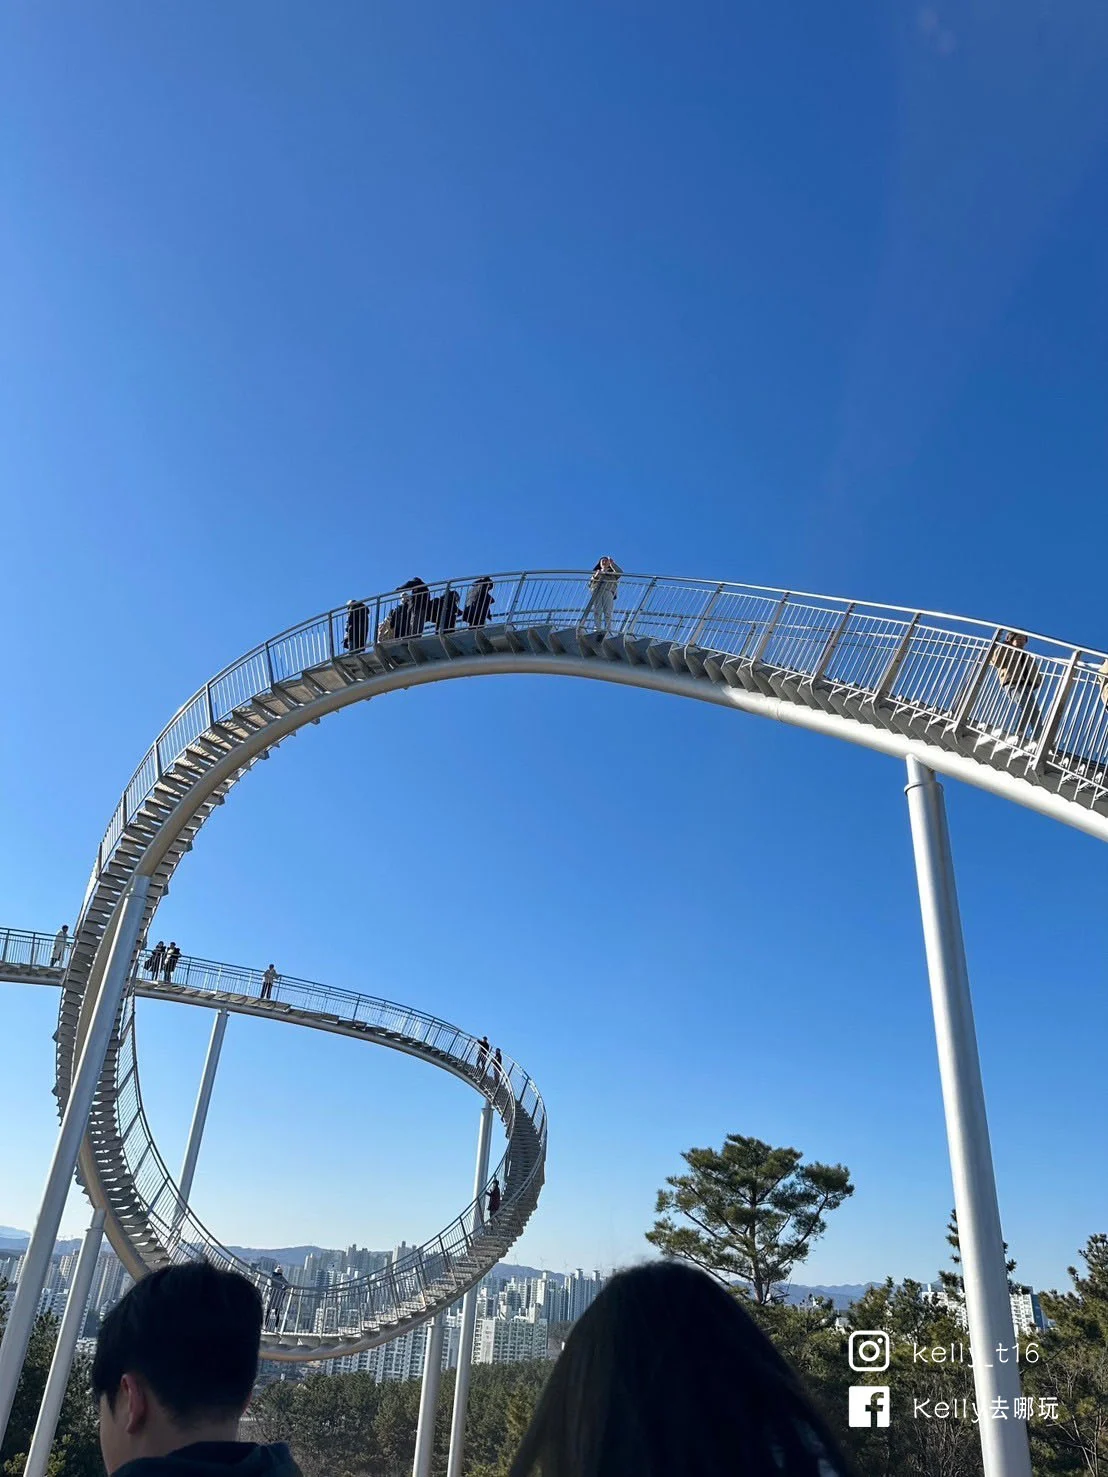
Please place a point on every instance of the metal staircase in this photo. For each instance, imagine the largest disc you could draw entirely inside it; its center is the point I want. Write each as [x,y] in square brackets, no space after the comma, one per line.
[900,681]
[155,1228]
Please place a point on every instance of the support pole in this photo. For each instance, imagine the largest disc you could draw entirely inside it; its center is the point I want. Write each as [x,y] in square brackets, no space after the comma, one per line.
[200,1115]
[469,1311]
[1004,1446]
[73,1321]
[40,1248]
[429,1397]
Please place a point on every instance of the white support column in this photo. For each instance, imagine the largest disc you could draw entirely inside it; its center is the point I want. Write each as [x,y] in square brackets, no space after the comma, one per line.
[1004,1446]
[73,1320]
[469,1312]
[40,1248]
[429,1397]
[200,1115]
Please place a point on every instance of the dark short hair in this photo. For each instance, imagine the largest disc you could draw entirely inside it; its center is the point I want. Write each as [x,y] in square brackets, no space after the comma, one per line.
[192,1332]
[666,1373]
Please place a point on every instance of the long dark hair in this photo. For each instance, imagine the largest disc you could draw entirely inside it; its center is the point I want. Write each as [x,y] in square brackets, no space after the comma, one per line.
[667,1376]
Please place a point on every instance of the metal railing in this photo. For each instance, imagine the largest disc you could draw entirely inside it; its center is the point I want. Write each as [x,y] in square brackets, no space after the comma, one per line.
[427,1275]
[935,655]
[431,1274]
[1047,702]
[31,950]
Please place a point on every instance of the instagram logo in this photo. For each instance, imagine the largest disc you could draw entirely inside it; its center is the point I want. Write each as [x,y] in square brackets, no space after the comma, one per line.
[869,1350]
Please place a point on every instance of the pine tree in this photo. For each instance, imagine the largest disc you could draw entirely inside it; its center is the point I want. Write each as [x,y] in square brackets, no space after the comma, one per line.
[752,1212]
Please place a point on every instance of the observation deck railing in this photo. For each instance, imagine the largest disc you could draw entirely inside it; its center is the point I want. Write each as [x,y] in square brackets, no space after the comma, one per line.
[940,664]
[348,1306]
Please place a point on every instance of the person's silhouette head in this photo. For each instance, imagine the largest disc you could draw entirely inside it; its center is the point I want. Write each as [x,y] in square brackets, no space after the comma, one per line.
[175,1362]
[667,1373]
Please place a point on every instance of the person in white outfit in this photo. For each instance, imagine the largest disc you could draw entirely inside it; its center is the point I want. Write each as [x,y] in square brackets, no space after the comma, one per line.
[61,944]
[603,582]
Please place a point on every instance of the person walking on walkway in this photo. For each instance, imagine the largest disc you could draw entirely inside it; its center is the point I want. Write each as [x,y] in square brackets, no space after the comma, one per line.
[479,602]
[172,954]
[278,1295]
[1020,677]
[155,959]
[269,979]
[494,1197]
[61,944]
[417,599]
[482,1054]
[603,582]
[444,611]
[497,1065]
[357,626]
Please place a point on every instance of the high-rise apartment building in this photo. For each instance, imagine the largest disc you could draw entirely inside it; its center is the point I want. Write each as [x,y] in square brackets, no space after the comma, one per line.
[581,1293]
[509,1340]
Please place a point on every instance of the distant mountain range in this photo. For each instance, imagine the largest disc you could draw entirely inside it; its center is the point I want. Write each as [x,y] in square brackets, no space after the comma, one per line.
[12,1239]
[841,1294]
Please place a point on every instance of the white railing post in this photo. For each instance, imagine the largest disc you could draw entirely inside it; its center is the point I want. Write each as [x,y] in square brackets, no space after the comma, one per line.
[961,713]
[888,676]
[469,1310]
[40,1248]
[829,646]
[630,623]
[760,650]
[517,592]
[1054,715]
[698,630]
[1004,1447]
[70,1331]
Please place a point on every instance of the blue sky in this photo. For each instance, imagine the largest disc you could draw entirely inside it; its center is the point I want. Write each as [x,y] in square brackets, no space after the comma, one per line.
[298,305]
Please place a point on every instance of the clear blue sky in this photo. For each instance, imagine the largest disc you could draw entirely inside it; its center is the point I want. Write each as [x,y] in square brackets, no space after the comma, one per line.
[297,304]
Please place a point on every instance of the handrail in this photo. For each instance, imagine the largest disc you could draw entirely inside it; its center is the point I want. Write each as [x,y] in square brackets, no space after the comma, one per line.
[1041,713]
[377,1293]
[659,604]
[181,1231]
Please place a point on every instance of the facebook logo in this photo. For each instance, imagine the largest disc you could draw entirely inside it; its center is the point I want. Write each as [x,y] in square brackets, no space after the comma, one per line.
[866,1402]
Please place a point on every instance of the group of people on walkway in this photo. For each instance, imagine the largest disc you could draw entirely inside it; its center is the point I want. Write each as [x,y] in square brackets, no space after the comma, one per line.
[163,961]
[418,608]
[484,1066]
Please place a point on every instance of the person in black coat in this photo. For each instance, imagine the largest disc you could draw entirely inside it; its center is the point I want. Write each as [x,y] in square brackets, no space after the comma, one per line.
[418,601]
[445,609]
[357,626]
[479,602]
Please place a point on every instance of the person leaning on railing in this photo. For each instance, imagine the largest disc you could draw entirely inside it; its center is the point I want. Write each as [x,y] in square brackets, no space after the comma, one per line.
[1020,677]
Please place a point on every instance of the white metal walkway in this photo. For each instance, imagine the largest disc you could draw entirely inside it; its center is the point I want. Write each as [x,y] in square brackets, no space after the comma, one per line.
[359,1312]
[1028,725]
